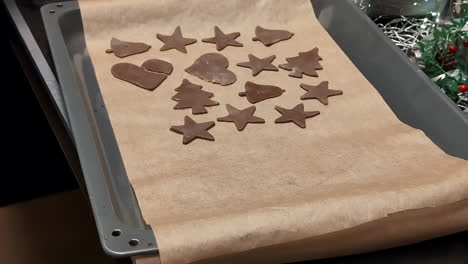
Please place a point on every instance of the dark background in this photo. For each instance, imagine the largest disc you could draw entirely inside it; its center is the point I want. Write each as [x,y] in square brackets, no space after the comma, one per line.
[36,166]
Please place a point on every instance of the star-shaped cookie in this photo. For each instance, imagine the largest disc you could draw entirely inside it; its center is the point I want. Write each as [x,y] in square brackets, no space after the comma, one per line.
[193,130]
[241,117]
[223,40]
[297,115]
[175,41]
[258,65]
[319,92]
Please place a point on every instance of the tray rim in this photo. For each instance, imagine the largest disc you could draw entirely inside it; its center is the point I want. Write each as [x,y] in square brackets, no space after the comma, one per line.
[38,59]
[112,198]
[434,114]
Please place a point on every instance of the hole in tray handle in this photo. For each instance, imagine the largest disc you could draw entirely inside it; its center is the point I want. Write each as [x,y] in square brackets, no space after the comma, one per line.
[116,232]
[133,242]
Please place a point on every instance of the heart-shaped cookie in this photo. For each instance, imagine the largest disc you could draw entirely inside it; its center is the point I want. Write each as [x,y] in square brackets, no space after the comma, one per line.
[156,65]
[212,67]
[137,75]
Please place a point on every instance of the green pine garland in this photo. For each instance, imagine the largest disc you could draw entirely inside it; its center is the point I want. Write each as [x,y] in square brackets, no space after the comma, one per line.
[438,47]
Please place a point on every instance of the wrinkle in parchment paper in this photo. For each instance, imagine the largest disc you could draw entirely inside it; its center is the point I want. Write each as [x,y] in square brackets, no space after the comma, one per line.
[271,184]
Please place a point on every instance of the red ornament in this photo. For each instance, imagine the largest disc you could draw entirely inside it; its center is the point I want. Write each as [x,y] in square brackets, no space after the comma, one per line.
[463,88]
[453,48]
[465,42]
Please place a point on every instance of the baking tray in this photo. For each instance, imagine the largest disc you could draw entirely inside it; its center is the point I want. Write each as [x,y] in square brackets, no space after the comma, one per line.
[411,95]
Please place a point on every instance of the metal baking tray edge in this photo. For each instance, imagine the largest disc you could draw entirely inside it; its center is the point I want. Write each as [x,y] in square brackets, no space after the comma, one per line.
[120,225]
[409,93]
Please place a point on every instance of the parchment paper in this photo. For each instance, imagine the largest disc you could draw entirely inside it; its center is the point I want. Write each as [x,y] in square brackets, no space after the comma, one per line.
[272,186]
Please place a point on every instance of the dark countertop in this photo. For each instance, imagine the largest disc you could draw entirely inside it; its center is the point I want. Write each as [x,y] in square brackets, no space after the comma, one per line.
[446,250]
[48,160]
[36,164]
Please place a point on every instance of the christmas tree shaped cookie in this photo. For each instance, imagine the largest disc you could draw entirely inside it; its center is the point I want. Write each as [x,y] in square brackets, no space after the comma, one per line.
[306,63]
[192,96]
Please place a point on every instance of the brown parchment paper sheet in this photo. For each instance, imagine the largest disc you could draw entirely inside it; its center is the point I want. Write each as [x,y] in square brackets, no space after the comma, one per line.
[271,184]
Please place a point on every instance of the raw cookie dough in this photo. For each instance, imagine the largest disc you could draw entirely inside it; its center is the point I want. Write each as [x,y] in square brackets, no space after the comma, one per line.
[193,130]
[241,117]
[190,95]
[297,115]
[156,65]
[175,41]
[319,92]
[123,49]
[306,63]
[187,89]
[271,36]
[258,65]
[223,40]
[258,92]
[137,75]
[212,67]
